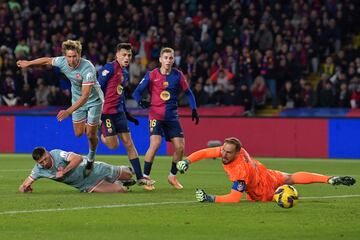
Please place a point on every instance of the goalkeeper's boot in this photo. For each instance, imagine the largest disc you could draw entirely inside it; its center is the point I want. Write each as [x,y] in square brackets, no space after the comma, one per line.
[173,181]
[147,182]
[346,180]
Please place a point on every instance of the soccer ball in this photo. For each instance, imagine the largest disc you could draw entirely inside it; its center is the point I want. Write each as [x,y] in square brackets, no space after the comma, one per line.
[286,196]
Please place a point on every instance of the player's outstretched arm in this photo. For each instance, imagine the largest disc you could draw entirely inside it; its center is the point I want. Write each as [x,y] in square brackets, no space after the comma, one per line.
[38,61]
[25,187]
[237,190]
[201,196]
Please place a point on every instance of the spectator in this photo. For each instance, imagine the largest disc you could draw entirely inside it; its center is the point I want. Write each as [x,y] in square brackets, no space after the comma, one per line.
[258,90]
[287,96]
[201,97]
[27,96]
[41,93]
[245,98]
[136,70]
[232,97]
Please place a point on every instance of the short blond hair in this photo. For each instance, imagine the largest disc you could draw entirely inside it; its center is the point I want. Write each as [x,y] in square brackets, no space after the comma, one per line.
[71,45]
[166,50]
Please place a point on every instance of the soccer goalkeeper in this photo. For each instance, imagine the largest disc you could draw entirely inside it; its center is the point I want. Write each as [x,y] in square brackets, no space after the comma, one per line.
[250,176]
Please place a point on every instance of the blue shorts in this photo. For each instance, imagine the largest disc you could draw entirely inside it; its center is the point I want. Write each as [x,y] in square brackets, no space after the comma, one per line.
[112,124]
[167,129]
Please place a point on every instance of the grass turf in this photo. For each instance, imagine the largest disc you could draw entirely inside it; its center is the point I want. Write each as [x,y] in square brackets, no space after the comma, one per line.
[56,211]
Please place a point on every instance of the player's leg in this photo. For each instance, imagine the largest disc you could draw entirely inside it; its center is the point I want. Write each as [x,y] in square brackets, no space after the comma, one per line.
[128,143]
[156,132]
[79,128]
[155,142]
[106,187]
[109,131]
[174,132]
[307,178]
[79,120]
[93,121]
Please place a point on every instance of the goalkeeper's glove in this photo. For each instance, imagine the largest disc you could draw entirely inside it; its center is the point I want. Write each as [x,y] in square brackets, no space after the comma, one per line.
[183,166]
[130,118]
[201,196]
[195,116]
[144,104]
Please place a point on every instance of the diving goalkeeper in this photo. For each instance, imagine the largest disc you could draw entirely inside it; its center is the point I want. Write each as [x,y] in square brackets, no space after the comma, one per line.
[250,176]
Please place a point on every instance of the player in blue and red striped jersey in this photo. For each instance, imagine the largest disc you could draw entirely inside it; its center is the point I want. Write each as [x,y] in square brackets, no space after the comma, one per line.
[113,78]
[164,85]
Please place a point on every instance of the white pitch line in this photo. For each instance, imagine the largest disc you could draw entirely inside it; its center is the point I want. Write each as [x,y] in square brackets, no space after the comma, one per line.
[339,196]
[138,205]
[94,207]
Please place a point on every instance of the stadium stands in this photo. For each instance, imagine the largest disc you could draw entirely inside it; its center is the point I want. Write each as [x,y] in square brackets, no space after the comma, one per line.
[220,45]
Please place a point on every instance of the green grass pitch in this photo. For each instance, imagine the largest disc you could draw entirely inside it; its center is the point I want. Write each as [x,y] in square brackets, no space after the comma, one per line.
[56,211]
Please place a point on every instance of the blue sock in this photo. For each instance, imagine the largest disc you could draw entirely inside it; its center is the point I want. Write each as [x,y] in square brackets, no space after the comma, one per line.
[91,155]
[173,168]
[135,163]
[147,168]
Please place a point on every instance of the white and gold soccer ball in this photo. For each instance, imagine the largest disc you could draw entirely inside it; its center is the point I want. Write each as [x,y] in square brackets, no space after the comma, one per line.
[286,196]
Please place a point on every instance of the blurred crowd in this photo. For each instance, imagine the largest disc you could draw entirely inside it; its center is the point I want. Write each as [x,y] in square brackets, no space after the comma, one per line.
[282,53]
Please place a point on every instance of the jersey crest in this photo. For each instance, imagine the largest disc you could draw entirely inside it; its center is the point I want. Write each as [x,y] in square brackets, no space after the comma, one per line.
[165,95]
[119,89]
[78,76]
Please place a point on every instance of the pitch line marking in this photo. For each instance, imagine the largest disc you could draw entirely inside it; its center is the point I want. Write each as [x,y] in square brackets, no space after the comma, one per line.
[138,205]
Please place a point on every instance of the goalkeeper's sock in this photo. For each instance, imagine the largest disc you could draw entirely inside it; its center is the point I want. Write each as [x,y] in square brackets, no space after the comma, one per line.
[135,163]
[91,155]
[306,178]
[147,168]
[173,169]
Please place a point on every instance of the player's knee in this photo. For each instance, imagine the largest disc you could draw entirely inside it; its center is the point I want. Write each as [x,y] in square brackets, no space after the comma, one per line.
[112,144]
[128,144]
[154,146]
[91,134]
[79,133]
[179,148]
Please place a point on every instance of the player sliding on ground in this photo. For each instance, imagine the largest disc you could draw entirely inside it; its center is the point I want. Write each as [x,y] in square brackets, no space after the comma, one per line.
[250,176]
[68,168]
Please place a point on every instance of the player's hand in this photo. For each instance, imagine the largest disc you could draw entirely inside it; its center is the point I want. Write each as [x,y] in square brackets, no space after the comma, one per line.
[25,189]
[60,172]
[182,166]
[195,116]
[22,63]
[62,115]
[130,118]
[201,196]
[144,104]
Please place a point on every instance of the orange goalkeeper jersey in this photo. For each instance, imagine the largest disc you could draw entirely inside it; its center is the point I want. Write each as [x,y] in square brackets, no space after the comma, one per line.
[260,181]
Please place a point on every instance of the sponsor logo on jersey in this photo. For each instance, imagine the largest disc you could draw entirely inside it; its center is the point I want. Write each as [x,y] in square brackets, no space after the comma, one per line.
[63,154]
[166,84]
[165,95]
[119,89]
[105,72]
